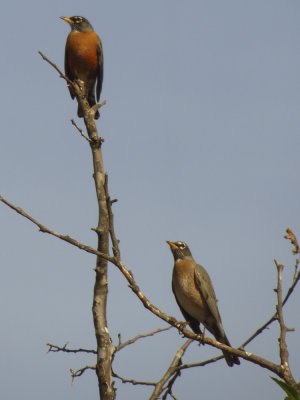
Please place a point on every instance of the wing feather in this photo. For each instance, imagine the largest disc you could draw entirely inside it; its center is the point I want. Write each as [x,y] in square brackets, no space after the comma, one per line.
[205,287]
[99,69]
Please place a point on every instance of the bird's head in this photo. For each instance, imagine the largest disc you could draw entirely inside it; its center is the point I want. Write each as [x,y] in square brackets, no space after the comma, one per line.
[180,250]
[78,24]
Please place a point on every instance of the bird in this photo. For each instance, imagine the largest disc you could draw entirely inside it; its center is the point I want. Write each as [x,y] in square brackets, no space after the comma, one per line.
[84,59]
[195,296]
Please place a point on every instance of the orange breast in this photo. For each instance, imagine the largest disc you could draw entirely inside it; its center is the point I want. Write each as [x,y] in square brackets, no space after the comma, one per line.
[81,54]
[186,291]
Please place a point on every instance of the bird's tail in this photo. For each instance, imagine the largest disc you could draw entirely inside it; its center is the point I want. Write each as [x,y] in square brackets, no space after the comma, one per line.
[92,101]
[79,112]
[231,359]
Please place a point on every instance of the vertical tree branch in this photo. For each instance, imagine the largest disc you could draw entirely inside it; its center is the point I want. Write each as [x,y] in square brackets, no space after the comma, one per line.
[283,351]
[104,346]
[284,354]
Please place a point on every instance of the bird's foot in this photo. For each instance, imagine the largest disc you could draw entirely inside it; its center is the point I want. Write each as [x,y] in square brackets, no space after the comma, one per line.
[202,336]
[182,325]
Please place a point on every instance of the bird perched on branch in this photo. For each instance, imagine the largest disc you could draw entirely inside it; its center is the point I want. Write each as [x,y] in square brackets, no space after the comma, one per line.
[84,59]
[196,297]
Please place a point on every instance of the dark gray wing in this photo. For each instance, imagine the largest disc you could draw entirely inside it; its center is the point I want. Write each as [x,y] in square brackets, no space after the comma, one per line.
[213,324]
[205,286]
[99,69]
[68,72]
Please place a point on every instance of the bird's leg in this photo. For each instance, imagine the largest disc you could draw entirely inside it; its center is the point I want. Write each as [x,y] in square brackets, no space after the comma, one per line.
[202,335]
[181,325]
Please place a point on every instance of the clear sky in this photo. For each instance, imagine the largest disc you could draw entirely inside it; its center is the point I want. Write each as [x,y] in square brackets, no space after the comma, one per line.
[201,133]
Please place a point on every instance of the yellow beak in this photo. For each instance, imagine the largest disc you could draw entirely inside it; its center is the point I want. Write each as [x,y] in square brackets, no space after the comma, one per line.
[67,20]
[171,244]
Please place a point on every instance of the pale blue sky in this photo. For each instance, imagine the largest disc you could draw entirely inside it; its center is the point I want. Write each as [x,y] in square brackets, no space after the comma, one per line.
[201,133]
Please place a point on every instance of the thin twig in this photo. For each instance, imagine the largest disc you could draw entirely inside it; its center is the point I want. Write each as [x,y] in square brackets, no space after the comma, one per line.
[172,370]
[56,68]
[296,269]
[132,381]
[275,316]
[80,371]
[98,106]
[173,396]
[283,351]
[54,349]
[168,390]
[81,131]
[284,355]
[289,292]
[66,238]
[201,363]
[141,336]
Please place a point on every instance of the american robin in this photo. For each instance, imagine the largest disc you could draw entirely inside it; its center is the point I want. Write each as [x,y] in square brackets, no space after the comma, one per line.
[84,59]
[196,297]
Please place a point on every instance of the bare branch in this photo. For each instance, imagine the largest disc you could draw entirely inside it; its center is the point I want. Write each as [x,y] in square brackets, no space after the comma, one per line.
[105,348]
[66,238]
[81,131]
[97,106]
[56,68]
[172,370]
[168,389]
[283,351]
[141,336]
[275,316]
[296,274]
[201,363]
[79,372]
[259,330]
[284,355]
[171,394]
[132,381]
[290,291]
[54,349]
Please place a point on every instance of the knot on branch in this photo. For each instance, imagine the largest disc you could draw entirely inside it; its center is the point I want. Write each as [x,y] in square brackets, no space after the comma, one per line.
[96,142]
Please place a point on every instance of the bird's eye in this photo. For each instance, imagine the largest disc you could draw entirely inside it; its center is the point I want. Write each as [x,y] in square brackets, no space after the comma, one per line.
[182,245]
